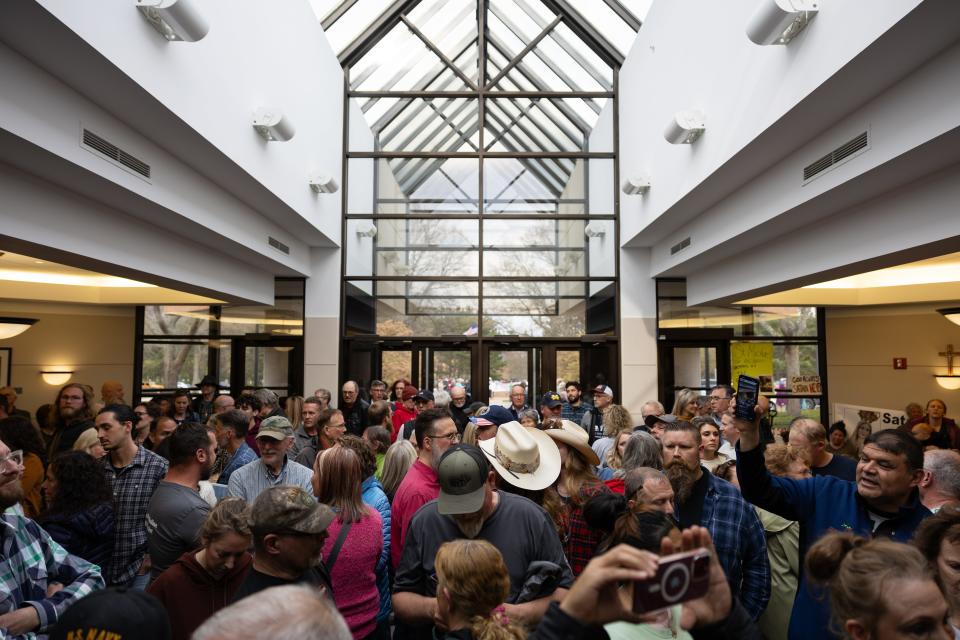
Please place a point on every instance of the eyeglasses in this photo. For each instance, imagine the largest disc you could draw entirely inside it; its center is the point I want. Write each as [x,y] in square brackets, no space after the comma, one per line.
[15,458]
[453,436]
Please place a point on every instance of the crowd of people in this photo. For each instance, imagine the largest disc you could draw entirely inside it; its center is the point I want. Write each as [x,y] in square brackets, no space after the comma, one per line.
[416,514]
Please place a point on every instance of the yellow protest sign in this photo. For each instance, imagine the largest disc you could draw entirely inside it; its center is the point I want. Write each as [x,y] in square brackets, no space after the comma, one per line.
[754,359]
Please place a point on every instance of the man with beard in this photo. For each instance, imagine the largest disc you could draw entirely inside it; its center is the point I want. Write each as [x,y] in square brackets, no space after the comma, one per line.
[883,502]
[176,511]
[470,507]
[133,474]
[274,466]
[72,414]
[459,400]
[32,563]
[703,499]
[435,432]
[574,408]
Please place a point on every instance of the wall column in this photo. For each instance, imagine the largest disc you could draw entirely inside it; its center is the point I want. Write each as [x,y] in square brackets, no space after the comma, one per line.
[638,330]
[321,330]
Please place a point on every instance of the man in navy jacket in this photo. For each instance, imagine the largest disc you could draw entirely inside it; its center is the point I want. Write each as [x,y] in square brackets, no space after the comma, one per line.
[884,501]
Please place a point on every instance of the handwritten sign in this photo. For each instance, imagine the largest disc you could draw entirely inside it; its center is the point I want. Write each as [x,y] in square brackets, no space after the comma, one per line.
[754,359]
[856,416]
[805,385]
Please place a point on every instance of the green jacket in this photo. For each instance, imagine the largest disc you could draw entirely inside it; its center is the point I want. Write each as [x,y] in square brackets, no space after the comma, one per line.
[783,550]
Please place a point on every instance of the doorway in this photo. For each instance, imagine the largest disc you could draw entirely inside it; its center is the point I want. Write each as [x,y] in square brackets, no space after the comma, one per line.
[696,360]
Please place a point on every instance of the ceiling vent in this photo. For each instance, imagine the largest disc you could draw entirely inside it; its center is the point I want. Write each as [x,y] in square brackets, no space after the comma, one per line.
[680,246]
[103,147]
[279,246]
[844,152]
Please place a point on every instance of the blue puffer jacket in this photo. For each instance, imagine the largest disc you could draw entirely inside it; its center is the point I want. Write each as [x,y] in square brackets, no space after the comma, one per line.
[87,534]
[374,496]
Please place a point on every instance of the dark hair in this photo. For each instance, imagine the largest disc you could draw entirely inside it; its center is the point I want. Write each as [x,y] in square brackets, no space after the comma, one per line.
[155,423]
[152,409]
[722,471]
[324,417]
[378,412]
[236,420]
[80,483]
[4,404]
[575,384]
[838,426]
[312,400]
[180,393]
[18,433]
[368,461]
[185,441]
[379,436]
[42,414]
[424,422]
[121,413]
[378,383]
[899,443]
[682,426]
[249,401]
[943,526]
[643,529]
[726,389]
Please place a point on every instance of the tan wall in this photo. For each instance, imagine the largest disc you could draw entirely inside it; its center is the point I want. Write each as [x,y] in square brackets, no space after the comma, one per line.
[97,343]
[861,346]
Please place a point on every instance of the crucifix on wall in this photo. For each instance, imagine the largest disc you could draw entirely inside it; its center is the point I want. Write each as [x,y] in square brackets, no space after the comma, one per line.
[949,355]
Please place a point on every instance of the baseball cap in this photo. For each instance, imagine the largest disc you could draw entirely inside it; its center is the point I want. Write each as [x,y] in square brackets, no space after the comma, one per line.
[276,427]
[114,613]
[495,414]
[425,394]
[604,389]
[473,408]
[289,508]
[409,391]
[551,399]
[462,474]
[668,418]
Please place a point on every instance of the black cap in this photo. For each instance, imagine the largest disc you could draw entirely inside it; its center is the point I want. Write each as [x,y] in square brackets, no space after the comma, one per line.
[424,394]
[114,613]
[667,418]
[551,399]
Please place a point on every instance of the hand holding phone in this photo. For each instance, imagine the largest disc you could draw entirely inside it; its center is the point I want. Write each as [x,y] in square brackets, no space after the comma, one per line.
[680,577]
[748,390]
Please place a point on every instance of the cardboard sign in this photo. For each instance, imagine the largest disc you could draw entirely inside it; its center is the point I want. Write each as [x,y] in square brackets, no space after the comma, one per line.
[806,385]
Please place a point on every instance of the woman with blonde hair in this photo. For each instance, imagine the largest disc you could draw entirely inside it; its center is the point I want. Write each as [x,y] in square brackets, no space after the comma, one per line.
[617,420]
[400,457]
[293,409]
[685,407]
[472,584]
[89,443]
[878,588]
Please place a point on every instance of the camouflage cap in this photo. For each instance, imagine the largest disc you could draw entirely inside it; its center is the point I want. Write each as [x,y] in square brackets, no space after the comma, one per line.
[276,427]
[289,508]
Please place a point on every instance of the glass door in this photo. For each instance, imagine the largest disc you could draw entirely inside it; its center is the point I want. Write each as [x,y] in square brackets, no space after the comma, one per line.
[272,363]
[511,367]
[697,363]
[448,368]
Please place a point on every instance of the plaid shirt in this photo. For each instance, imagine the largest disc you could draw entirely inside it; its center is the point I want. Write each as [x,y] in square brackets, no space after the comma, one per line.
[580,544]
[569,412]
[132,487]
[32,560]
[741,543]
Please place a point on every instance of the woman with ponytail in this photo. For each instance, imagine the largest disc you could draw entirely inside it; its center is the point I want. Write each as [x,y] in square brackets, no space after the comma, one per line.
[472,584]
[879,589]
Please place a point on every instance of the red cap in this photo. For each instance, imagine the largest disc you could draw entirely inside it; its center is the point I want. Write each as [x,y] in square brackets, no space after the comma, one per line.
[409,392]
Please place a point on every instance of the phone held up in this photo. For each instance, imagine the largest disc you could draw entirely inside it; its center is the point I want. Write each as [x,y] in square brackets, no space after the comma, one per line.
[680,577]
[748,390]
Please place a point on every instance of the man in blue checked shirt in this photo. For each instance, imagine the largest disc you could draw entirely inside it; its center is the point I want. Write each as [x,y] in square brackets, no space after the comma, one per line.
[30,561]
[705,500]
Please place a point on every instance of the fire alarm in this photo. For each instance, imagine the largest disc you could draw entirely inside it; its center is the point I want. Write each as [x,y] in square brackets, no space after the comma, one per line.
[899,363]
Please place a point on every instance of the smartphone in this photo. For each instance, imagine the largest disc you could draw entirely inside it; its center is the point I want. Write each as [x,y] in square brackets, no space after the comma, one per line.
[680,577]
[747,390]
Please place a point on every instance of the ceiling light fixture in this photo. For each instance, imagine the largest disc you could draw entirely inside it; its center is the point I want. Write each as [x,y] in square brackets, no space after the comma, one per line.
[175,20]
[685,127]
[272,125]
[952,314]
[637,185]
[322,183]
[366,231]
[56,377]
[11,327]
[779,21]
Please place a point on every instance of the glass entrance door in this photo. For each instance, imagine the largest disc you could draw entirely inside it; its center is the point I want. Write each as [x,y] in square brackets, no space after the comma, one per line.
[273,363]
[511,367]
[448,368]
[696,363]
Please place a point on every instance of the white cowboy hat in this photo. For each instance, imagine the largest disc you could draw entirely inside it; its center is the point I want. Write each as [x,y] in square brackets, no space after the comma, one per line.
[523,456]
[574,436]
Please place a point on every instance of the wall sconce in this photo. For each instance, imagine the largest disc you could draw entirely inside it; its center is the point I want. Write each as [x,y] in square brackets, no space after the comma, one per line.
[367,231]
[636,186]
[270,123]
[10,327]
[175,20]
[593,230]
[948,381]
[952,314]
[322,183]
[56,377]
[283,348]
[685,127]
[779,21]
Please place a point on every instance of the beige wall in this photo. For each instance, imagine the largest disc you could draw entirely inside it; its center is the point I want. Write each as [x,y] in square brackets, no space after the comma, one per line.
[861,346]
[95,342]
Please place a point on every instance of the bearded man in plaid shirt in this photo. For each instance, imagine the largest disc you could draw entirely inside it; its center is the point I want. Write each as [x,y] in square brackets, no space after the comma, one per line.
[31,561]
[705,500]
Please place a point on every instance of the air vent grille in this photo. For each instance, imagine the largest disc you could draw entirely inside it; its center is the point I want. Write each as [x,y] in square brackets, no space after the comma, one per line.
[680,246]
[115,153]
[279,246]
[838,155]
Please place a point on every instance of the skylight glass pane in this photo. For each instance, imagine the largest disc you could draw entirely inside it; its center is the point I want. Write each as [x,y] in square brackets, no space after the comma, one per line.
[604,20]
